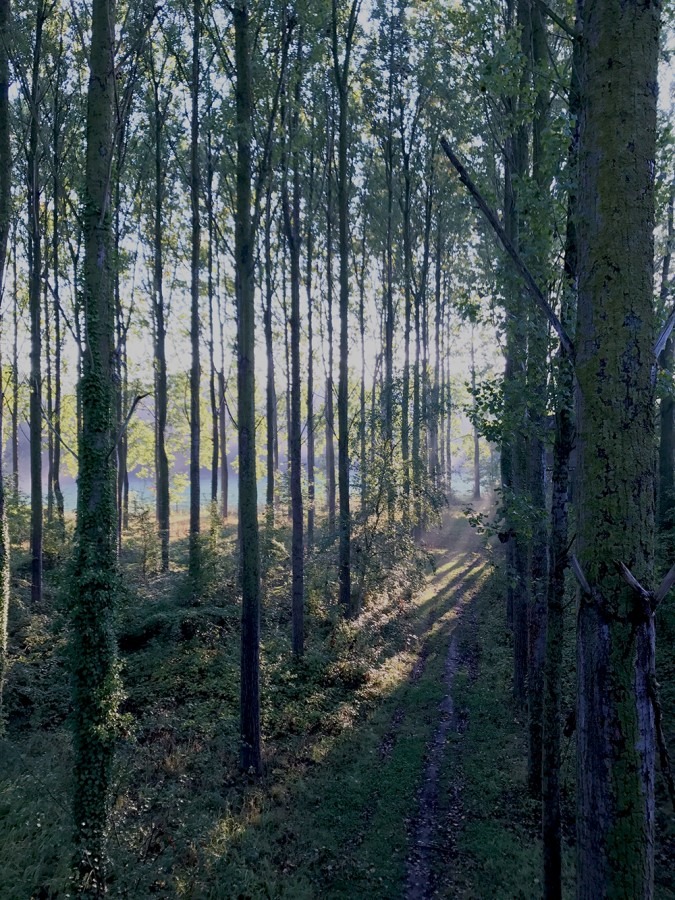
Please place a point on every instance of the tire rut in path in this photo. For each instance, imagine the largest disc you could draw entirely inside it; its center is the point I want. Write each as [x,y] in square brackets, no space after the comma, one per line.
[424,826]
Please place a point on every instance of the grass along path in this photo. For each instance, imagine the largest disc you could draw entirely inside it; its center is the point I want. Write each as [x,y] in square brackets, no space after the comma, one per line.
[347,740]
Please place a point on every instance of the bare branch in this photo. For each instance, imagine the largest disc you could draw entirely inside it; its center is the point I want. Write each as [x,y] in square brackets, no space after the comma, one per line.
[518,261]
[664,587]
[125,424]
[559,21]
[579,575]
[632,581]
[665,334]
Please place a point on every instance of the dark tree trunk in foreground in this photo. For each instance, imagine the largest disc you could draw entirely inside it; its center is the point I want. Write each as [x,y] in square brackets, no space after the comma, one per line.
[195,372]
[615,635]
[250,759]
[95,563]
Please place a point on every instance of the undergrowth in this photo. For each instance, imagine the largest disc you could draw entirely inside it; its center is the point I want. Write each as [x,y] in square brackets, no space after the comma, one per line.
[184,823]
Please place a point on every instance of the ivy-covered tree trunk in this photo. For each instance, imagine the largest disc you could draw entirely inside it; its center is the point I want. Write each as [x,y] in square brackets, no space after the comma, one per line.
[248,493]
[615,339]
[95,692]
[5,196]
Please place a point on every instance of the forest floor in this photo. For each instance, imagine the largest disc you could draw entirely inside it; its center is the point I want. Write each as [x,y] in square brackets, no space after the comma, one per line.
[394,756]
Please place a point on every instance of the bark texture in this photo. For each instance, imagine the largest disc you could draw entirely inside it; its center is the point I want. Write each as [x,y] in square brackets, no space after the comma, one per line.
[615,636]
[95,567]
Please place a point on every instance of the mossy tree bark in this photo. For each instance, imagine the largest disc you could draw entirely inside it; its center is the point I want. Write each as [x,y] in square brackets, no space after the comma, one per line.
[95,692]
[615,635]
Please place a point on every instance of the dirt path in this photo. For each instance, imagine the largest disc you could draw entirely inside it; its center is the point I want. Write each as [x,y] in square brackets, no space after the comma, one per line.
[458,576]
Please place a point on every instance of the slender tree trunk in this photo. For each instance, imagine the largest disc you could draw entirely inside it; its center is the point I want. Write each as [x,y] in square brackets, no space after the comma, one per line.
[291,210]
[476,442]
[34,300]
[666,494]
[248,494]
[195,370]
[58,347]
[269,346]
[341,72]
[162,499]
[215,430]
[563,445]
[5,200]
[434,418]
[95,563]
[329,413]
[615,522]
[15,372]
[49,411]
[310,373]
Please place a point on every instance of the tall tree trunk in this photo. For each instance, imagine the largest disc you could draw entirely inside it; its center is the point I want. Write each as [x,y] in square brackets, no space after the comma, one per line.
[162,498]
[248,494]
[563,445]
[215,431]
[195,371]
[666,493]
[15,371]
[537,365]
[329,413]
[310,368]
[95,563]
[34,302]
[58,348]
[5,200]
[49,411]
[615,633]
[434,418]
[291,211]
[272,453]
[476,441]
[341,71]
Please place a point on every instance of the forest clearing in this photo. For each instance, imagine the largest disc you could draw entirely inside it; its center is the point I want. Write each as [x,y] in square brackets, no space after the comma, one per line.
[337,449]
